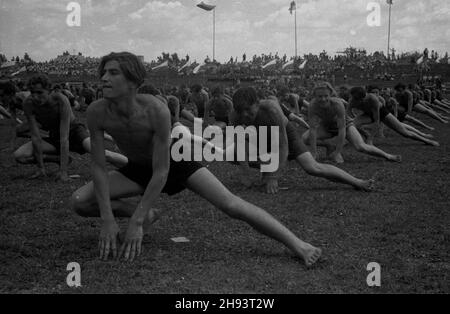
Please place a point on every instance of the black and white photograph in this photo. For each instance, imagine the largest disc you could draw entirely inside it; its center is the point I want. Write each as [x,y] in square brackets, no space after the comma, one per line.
[224,155]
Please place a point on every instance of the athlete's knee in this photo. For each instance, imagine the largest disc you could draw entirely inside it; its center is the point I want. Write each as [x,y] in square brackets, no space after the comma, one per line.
[18,156]
[22,157]
[80,204]
[361,147]
[314,168]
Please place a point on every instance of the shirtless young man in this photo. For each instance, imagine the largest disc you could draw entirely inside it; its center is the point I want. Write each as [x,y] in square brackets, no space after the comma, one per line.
[9,100]
[372,111]
[140,125]
[220,107]
[52,111]
[200,98]
[251,111]
[328,119]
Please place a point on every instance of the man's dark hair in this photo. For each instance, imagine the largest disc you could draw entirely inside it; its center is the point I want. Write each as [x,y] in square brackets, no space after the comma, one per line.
[8,87]
[196,88]
[358,93]
[344,92]
[400,86]
[282,90]
[131,66]
[149,89]
[371,88]
[217,91]
[243,98]
[40,79]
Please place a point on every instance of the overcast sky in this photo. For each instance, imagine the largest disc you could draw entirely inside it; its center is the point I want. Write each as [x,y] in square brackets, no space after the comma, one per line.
[252,26]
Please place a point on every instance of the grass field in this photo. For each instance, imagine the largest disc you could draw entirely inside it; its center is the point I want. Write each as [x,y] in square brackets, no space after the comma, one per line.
[403,226]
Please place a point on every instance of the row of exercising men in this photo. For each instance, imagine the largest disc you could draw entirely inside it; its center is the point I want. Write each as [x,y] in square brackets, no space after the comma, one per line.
[140,125]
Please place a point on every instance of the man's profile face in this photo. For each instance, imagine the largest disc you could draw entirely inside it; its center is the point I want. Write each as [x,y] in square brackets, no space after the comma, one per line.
[39,94]
[115,84]
[322,95]
[248,114]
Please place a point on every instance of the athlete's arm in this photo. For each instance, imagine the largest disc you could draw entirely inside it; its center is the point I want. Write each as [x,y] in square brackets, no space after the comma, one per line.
[64,127]
[395,107]
[293,117]
[342,129]
[410,102]
[12,126]
[160,163]
[274,117]
[109,228]
[314,123]
[206,114]
[160,119]
[205,97]
[376,114]
[35,135]
[187,115]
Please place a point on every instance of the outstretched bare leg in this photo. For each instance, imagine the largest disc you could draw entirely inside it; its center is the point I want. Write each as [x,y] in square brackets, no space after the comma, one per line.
[332,173]
[418,122]
[205,184]
[355,138]
[398,127]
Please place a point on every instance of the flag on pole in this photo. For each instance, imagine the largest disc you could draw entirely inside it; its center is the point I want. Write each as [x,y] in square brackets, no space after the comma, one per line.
[22,69]
[289,63]
[420,60]
[270,63]
[293,7]
[207,7]
[197,68]
[302,66]
[162,65]
[8,64]
[390,2]
[185,66]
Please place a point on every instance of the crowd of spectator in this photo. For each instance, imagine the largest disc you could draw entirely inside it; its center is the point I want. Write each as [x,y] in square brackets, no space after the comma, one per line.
[350,62]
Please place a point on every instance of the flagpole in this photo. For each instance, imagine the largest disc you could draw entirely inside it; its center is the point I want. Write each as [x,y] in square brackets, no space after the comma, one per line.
[214,34]
[389,32]
[296,32]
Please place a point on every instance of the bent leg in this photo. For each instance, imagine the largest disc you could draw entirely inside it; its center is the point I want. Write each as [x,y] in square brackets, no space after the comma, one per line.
[116,159]
[332,173]
[24,154]
[84,201]
[355,138]
[205,184]
[413,129]
[431,113]
[418,122]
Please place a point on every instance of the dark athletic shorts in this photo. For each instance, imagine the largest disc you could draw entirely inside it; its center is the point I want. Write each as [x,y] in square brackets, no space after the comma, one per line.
[77,134]
[334,131]
[384,112]
[179,172]
[401,115]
